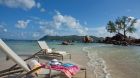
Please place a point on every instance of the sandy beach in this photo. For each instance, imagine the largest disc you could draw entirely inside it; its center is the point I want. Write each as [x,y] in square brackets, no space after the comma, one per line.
[78,58]
[100,60]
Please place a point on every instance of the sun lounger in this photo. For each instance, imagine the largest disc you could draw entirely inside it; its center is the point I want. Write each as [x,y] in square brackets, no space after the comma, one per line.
[22,68]
[43,45]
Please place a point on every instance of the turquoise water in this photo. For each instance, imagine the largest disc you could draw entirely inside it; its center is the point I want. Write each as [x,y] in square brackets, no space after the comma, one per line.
[106,61]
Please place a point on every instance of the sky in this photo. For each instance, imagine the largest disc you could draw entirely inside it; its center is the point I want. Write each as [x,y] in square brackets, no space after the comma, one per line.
[33,19]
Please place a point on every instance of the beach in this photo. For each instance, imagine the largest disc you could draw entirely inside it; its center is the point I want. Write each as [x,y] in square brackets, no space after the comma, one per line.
[79,58]
[82,61]
[100,60]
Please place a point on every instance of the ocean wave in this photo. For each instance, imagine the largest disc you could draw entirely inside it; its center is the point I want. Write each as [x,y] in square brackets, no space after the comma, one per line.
[98,65]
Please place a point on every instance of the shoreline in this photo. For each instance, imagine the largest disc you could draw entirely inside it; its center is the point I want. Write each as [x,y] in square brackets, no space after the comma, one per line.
[75,58]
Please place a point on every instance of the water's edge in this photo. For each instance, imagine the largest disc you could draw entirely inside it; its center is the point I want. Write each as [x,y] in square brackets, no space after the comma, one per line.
[97,64]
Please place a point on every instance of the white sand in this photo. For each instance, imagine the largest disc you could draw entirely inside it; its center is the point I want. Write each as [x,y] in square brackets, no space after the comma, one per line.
[79,58]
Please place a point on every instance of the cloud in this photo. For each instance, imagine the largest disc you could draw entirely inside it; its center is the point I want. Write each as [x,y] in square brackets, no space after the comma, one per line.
[24,4]
[64,25]
[5,30]
[36,34]
[61,23]
[22,24]
[2,28]
[137,26]
[42,10]
[68,21]
[99,31]
[38,5]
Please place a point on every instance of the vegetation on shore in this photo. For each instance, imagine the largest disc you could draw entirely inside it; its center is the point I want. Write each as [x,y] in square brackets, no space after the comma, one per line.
[71,38]
[122,24]
[121,27]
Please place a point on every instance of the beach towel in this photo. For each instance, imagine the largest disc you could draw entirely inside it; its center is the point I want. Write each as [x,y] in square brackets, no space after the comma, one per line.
[34,64]
[67,65]
[69,70]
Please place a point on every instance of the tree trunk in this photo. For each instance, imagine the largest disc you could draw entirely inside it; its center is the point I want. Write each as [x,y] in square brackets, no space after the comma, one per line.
[124,34]
[124,31]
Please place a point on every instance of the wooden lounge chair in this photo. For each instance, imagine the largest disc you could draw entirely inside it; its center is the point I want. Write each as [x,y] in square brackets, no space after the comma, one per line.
[50,52]
[21,67]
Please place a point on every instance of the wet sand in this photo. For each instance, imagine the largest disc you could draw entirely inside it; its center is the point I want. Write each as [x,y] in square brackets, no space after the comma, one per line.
[121,69]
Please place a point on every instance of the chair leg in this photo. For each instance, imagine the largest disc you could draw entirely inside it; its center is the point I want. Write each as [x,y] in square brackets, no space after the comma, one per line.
[85,73]
[84,69]
[70,56]
[62,58]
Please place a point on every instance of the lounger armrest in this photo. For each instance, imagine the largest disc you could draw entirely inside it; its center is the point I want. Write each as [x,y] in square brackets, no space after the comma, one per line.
[41,52]
[55,54]
[32,57]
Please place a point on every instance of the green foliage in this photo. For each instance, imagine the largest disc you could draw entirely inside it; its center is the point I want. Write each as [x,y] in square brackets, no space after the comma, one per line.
[124,24]
[70,37]
[111,27]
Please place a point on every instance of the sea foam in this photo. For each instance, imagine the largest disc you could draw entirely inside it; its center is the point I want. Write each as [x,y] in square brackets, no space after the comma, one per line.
[98,65]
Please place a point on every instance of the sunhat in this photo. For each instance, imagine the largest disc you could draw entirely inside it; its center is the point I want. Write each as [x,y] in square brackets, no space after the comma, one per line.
[54,62]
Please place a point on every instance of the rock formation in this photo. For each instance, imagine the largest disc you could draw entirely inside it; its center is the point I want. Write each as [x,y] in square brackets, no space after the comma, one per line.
[87,39]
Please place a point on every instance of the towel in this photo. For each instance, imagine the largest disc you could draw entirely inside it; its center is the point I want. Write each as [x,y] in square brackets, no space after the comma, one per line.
[67,65]
[34,64]
[69,71]
[49,50]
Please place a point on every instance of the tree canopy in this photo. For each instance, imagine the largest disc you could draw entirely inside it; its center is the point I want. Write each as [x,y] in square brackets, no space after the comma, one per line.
[122,24]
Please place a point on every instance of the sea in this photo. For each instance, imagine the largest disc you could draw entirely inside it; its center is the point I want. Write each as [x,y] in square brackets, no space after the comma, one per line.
[105,60]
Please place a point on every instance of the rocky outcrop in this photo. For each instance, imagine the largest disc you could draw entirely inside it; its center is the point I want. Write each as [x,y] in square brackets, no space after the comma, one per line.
[119,39]
[87,39]
[67,42]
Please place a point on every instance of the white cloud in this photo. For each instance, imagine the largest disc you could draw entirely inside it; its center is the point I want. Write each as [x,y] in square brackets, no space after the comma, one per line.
[5,30]
[42,10]
[36,34]
[99,31]
[24,4]
[68,21]
[62,22]
[22,24]
[137,26]
[38,5]
[2,28]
